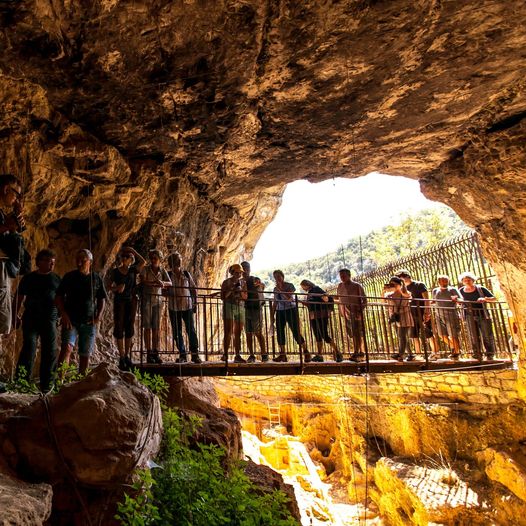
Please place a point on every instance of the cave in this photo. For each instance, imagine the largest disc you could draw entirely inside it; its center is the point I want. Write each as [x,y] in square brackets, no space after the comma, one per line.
[183,121]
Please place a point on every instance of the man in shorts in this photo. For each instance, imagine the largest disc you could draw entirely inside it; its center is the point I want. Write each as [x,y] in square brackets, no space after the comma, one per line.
[253,314]
[80,300]
[447,321]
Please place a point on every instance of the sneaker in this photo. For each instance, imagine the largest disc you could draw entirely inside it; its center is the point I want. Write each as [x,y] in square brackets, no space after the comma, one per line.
[397,357]
[339,357]
[410,358]
[129,363]
[251,359]
[123,366]
[307,357]
[150,358]
[224,358]
[264,357]
[490,357]
[239,359]
[454,356]
[317,358]
[281,358]
[434,357]
[477,356]
[196,359]
[157,358]
[181,359]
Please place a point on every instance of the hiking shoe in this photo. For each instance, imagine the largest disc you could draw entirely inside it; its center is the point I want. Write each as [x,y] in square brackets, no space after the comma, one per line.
[477,356]
[251,359]
[264,357]
[123,366]
[239,359]
[397,357]
[454,356]
[410,358]
[128,362]
[490,357]
[224,358]
[317,358]
[307,357]
[150,358]
[281,358]
[196,359]
[338,357]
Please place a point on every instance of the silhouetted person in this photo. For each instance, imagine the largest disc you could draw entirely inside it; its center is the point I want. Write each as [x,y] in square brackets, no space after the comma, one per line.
[36,292]
[80,300]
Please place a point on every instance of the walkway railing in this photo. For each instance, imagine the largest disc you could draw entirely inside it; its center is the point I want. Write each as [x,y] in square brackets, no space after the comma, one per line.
[378,339]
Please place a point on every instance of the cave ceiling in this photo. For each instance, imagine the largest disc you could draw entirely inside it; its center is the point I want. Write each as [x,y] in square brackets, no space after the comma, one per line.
[196,113]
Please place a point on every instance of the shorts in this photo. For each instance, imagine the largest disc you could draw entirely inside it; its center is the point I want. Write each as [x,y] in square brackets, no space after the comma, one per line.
[85,333]
[253,321]
[320,328]
[234,311]
[150,315]
[419,324]
[448,325]
[124,318]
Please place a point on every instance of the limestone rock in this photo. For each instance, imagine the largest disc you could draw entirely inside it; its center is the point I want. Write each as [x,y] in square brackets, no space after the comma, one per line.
[24,504]
[506,468]
[96,430]
[266,480]
[412,494]
[219,426]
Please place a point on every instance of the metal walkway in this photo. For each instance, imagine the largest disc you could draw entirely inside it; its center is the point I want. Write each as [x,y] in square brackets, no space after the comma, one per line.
[325,368]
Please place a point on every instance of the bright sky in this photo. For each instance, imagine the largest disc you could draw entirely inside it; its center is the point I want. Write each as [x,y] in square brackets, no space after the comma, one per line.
[315,218]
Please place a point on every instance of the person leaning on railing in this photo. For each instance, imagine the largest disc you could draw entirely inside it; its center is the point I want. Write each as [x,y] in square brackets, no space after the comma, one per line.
[233,294]
[320,308]
[284,311]
[476,315]
[398,301]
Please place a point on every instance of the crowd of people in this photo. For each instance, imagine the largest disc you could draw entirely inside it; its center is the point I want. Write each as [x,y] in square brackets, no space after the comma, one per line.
[79,297]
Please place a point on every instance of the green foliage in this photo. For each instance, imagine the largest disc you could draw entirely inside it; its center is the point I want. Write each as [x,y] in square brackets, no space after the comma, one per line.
[155,383]
[195,488]
[66,373]
[22,384]
[366,253]
[139,509]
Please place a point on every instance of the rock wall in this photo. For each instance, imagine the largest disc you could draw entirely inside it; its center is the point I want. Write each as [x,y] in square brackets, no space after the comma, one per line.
[179,123]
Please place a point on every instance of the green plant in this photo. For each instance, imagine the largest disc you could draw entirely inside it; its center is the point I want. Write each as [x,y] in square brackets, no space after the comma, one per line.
[21,383]
[138,509]
[196,487]
[155,383]
[66,373]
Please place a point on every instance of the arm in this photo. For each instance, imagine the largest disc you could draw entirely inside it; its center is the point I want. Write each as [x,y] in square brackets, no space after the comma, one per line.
[140,262]
[427,310]
[100,309]
[488,296]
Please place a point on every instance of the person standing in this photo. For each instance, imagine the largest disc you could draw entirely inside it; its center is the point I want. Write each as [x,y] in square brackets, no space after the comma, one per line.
[448,326]
[399,301]
[80,299]
[234,295]
[11,244]
[420,310]
[153,279]
[320,308]
[352,302]
[474,298]
[123,284]
[253,314]
[182,304]
[36,292]
[285,312]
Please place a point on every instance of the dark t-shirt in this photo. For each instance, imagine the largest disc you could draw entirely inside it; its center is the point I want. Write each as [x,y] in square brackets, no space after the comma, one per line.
[39,291]
[130,283]
[417,289]
[253,302]
[316,305]
[80,293]
[478,309]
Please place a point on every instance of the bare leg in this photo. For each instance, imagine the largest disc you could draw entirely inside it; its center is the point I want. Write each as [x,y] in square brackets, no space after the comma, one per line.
[128,346]
[238,327]
[155,339]
[65,354]
[262,346]
[120,346]
[148,339]
[227,336]
[250,342]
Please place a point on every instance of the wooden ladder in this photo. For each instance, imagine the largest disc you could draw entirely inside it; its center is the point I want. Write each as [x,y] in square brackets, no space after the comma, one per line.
[274,414]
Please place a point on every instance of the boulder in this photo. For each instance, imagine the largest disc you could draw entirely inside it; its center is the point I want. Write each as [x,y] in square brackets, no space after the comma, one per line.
[96,431]
[23,504]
